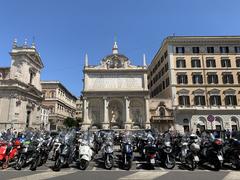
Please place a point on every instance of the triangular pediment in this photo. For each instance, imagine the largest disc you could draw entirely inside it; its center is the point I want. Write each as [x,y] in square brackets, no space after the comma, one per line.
[36,59]
[32,90]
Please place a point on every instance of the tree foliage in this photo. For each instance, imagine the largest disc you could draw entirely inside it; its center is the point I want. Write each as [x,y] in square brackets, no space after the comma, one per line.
[70,122]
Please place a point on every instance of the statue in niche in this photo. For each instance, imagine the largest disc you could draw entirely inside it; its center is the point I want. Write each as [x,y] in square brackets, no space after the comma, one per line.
[114,114]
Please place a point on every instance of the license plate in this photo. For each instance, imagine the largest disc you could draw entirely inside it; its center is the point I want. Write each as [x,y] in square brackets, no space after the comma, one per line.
[152,161]
[220,158]
[196,158]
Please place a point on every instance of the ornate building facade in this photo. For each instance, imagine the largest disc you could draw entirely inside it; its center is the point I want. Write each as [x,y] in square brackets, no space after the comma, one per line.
[115,94]
[20,89]
[200,76]
[79,109]
[60,103]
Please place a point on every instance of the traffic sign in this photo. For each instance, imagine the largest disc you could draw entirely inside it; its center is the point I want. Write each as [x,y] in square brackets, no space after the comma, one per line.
[210,118]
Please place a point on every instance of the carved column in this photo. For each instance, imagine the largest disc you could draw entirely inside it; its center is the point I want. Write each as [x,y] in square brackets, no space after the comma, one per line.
[105,124]
[147,115]
[128,121]
[86,123]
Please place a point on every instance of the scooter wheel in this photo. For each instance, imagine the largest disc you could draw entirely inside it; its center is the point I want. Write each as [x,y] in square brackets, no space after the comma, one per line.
[217,165]
[83,164]
[5,165]
[109,164]
[57,165]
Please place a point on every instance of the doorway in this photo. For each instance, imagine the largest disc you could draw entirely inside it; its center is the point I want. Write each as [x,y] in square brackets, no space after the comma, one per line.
[28,119]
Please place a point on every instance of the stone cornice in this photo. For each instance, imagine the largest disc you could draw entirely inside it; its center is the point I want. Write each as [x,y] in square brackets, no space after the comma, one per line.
[115,93]
[16,85]
[92,70]
[23,91]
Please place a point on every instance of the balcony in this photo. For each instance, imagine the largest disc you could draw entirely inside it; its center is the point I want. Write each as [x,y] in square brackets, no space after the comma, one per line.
[161,118]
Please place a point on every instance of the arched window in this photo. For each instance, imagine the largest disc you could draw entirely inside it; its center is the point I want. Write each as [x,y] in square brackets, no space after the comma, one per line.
[161,112]
[52,94]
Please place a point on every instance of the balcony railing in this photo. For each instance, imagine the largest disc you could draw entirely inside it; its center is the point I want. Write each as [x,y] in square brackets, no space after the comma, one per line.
[162,118]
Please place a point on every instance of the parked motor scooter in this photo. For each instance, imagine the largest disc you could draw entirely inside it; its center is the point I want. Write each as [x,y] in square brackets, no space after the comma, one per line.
[127,151]
[85,150]
[165,152]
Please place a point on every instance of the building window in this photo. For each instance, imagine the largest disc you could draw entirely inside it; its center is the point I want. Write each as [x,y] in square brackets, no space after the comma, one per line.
[224,49]
[239,78]
[181,63]
[227,79]
[186,128]
[31,78]
[215,100]
[225,63]
[167,82]
[166,67]
[180,50]
[212,79]
[197,79]
[196,63]
[210,49]
[237,49]
[231,100]
[184,100]
[165,54]
[163,85]
[195,49]
[211,63]
[162,112]
[199,100]
[182,79]
[238,62]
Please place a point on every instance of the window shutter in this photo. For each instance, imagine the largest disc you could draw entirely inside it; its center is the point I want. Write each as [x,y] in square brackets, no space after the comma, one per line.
[221,49]
[180,100]
[193,79]
[186,79]
[216,79]
[200,79]
[203,100]
[192,63]
[187,100]
[222,63]
[227,100]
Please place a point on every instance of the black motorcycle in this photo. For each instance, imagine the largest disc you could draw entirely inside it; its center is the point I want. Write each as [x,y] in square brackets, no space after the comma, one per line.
[231,153]
[65,153]
[26,154]
[165,152]
[212,153]
[40,155]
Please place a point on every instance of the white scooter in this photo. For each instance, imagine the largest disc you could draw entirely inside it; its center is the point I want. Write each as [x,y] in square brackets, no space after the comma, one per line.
[85,152]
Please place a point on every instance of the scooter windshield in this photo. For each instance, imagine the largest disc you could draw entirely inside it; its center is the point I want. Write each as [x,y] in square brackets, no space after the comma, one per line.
[69,137]
[167,137]
[127,137]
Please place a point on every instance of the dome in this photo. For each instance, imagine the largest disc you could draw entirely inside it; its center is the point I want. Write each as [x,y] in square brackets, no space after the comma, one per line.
[115,60]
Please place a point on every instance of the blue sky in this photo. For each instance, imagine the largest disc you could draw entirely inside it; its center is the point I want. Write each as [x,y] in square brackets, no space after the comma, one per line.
[65,30]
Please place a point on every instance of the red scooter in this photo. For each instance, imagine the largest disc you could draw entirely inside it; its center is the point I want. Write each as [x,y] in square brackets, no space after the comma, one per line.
[8,152]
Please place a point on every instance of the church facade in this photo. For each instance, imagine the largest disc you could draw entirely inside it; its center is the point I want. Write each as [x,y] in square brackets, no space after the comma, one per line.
[115,94]
[20,89]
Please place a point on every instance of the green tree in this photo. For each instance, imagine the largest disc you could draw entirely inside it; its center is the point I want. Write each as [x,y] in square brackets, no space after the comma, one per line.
[70,122]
